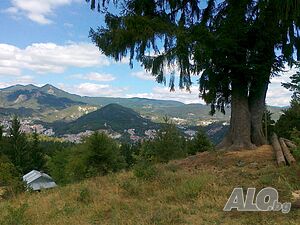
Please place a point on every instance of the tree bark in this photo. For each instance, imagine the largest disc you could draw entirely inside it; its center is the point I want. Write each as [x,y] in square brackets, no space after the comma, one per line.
[257,98]
[238,136]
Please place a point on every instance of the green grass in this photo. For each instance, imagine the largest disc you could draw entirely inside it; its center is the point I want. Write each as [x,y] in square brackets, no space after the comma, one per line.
[182,192]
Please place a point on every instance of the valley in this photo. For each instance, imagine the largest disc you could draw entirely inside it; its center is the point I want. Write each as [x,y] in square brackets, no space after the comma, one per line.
[54,112]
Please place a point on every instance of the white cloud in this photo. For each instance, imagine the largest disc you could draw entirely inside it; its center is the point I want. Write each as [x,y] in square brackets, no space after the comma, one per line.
[49,57]
[69,25]
[37,10]
[143,75]
[94,76]
[24,80]
[165,94]
[278,95]
[95,90]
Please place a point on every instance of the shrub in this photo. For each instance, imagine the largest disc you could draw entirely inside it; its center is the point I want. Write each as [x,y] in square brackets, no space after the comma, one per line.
[128,152]
[200,143]
[9,178]
[145,170]
[169,144]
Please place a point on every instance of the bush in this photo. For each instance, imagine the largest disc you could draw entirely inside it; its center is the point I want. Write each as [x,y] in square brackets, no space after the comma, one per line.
[128,152]
[169,144]
[200,143]
[9,178]
[145,170]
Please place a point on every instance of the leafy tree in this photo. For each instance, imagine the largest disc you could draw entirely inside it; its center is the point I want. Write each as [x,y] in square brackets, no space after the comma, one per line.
[229,44]
[289,120]
[200,143]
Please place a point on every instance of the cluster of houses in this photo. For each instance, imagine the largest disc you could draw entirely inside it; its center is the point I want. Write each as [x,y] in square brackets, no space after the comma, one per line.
[27,126]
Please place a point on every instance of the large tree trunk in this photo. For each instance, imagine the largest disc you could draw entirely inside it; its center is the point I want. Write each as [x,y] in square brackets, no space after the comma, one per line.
[257,98]
[238,136]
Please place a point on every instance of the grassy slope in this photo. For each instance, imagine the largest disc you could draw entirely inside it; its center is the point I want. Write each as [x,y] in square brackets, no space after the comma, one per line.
[189,191]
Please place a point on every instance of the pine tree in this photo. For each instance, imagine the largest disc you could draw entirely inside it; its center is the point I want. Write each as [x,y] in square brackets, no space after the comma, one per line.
[103,154]
[36,153]
[200,143]
[18,152]
[229,44]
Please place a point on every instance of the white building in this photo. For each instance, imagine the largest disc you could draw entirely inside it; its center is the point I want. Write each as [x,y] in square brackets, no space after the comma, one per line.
[36,180]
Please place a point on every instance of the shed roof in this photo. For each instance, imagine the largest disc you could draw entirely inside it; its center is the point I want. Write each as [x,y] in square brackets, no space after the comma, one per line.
[33,175]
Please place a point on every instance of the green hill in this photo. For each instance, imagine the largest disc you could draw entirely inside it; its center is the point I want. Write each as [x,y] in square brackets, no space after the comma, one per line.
[112,116]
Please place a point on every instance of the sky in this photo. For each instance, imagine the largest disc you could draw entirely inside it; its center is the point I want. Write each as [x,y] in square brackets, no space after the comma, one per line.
[47,41]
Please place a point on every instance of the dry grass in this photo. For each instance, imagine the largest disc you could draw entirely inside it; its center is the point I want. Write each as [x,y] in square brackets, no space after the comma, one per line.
[189,191]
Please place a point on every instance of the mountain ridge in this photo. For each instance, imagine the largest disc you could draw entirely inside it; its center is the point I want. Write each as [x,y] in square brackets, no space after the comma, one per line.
[62,105]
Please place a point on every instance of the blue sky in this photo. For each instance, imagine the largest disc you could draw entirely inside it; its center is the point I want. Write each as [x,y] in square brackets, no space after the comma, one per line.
[47,42]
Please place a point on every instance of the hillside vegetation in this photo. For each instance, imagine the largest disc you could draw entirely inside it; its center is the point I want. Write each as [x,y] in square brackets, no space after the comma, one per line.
[189,191]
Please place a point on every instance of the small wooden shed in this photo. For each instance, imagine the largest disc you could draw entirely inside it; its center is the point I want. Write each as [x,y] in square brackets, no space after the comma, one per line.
[37,180]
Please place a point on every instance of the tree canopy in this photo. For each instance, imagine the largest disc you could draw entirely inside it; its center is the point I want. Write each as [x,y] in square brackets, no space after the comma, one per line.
[233,46]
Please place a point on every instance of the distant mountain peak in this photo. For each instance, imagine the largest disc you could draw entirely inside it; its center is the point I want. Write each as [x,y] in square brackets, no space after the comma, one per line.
[48,86]
[20,87]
